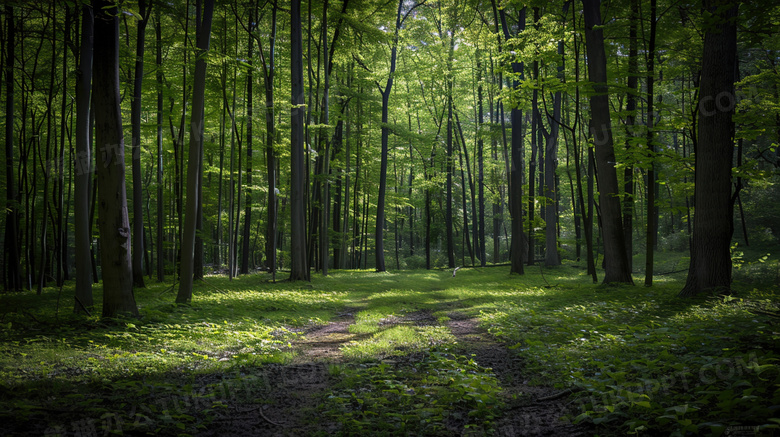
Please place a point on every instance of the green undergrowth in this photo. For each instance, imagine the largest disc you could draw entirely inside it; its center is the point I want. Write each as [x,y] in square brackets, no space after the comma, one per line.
[437,392]
[643,360]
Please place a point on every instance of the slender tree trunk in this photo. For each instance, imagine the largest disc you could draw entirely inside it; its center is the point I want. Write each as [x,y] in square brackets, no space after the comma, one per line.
[480,165]
[551,164]
[710,268]
[300,268]
[135,120]
[516,177]
[617,267]
[249,132]
[448,222]
[325,146]
[380,206]
[13,277]
[194,165]
[651,183]
[113,222]
[628,174]
[81,209]
[160,197]
[269,69]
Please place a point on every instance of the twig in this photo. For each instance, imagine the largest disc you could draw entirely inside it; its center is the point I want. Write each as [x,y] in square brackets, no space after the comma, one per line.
[559,395]
[81,304]
[260,410]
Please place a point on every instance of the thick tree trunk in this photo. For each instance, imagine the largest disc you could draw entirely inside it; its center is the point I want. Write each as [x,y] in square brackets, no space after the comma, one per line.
[194,164]
[112,199]
[298,253]
[710,268]
[617,267]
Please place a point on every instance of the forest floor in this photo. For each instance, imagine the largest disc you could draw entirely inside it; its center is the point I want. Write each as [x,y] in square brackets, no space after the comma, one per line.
[400,353]
[535,411]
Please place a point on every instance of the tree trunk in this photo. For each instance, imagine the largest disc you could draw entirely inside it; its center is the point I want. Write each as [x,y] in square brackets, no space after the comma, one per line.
[194,164]
[516,174]
[380,205]
[81,208]
[112,199]
[13,279]
[244,269]
[135,120]
[299,270]
[710,268]
[651,182]
[480,166]
[617,267]
[269,68]
[160,197]
[628,174]
[448,223]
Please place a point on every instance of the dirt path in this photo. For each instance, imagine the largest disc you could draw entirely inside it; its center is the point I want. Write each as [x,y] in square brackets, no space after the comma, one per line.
[525,416]
[285,401]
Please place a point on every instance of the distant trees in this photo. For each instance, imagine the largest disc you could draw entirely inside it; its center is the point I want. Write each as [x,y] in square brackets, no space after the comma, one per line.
[408,121]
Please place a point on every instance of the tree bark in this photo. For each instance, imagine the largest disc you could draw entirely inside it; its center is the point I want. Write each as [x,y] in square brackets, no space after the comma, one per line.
[628,174]
[617,268]
[244,269]
[710,268]
[135,121]
[194,164]
[81,208]
[269,68]
[160,197]
[516,175]
[112,199]
[651,178]
[299,270]
[13,279]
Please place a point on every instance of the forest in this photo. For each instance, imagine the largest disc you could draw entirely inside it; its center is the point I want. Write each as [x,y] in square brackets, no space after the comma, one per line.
[558,205]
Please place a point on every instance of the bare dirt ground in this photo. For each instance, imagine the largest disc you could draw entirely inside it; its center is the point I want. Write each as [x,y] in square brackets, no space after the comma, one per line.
[288,395]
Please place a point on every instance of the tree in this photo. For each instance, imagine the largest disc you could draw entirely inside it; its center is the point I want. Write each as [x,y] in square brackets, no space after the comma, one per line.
[81,209]
[516,172]
[135,120]
[113,222]
[299,270]
[617,268]
[13,279]
[710,268]
[195,163]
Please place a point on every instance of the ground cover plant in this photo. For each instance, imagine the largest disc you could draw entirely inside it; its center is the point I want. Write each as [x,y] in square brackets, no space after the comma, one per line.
[407,353]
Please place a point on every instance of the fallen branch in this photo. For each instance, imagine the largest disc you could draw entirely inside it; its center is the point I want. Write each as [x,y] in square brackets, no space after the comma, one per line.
[560,394]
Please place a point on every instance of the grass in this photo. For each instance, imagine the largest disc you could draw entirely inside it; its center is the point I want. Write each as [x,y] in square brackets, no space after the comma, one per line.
[640,360]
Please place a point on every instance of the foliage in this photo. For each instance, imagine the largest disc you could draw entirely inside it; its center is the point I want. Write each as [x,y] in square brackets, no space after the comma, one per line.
[645,361]
[417,398]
